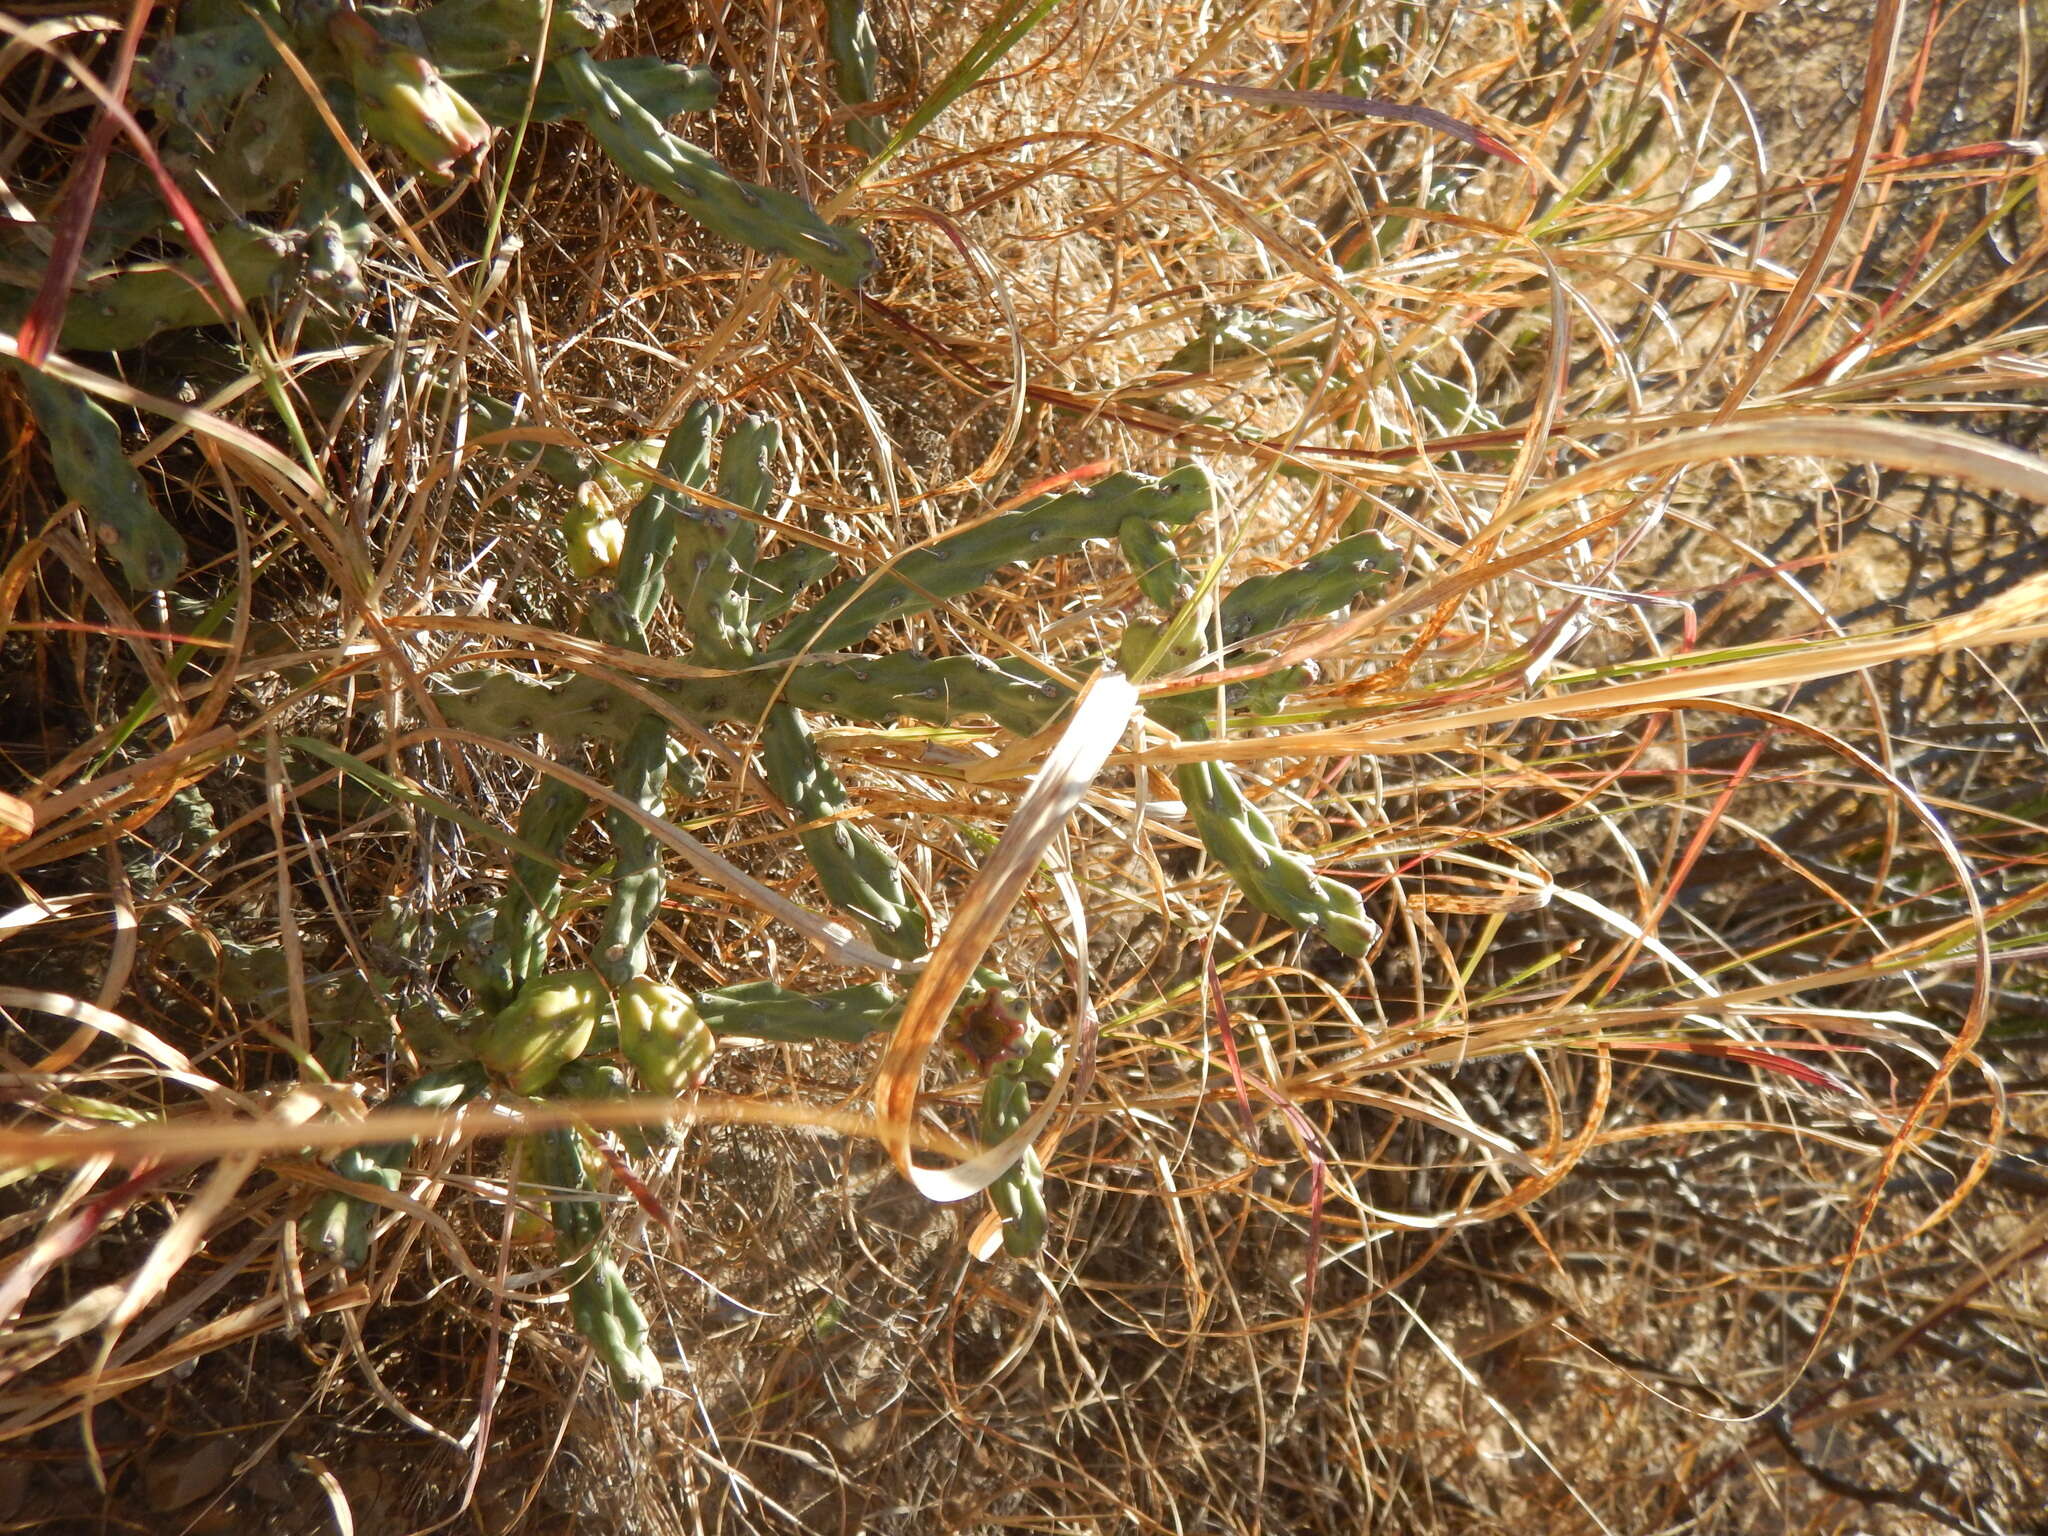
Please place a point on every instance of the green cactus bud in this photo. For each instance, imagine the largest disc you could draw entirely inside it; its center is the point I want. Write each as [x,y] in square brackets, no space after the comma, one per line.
[544,1028]
[93,470]
[602,1306]
[760,1010]
[652,527]
[593,539]
[640,774]
[765,218]
[965,560]
[405,102]
[623,476]
[663,1036]
[858,873]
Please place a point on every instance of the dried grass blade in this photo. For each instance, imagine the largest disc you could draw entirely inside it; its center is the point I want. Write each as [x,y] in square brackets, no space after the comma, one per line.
[1098,723]
[1361,106]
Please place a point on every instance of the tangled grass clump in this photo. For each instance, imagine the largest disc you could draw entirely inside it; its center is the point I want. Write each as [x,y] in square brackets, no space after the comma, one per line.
[1413,633]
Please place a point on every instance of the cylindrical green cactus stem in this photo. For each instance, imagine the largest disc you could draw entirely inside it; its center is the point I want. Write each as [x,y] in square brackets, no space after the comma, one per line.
[334,210]
[714,581]
[600,1303]
[1019,1195]
[662,89]
[127,309]
[640,774]
[526,911]
[485,413]
[776,583]
[870,689]
[760,1010]
[965,560]
[558,1164]
[850,38]
[858,873]
[492,34]
[339,1224]
[547,1026]
[1028,1056]
[198,76]
[652,525]
[93,470]
[511,704]
[603,1307]
[1349,570]
[1156,564]
[592,1079]
[1275,880]
[942,690]
[1194,713]
[765,218]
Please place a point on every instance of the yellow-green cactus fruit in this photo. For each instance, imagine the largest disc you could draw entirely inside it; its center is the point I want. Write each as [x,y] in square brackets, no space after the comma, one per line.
[623,475]
[661,1033]
[406,103]
[593,535]
[543,1029]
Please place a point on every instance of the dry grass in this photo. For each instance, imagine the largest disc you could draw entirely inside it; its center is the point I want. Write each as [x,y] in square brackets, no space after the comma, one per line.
[1675,1165]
